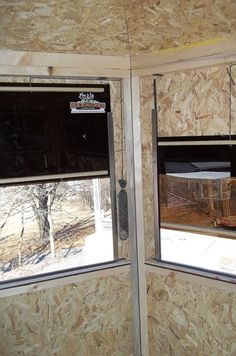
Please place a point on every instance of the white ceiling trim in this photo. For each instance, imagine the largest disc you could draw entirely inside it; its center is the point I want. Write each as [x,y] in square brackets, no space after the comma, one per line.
[202,54]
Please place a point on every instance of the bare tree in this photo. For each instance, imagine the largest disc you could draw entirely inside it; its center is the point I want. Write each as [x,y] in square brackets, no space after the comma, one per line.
[38,206]
[42,198]
[38,197]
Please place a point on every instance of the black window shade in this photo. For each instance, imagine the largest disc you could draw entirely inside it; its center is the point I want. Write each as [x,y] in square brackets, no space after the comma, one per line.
[39,136]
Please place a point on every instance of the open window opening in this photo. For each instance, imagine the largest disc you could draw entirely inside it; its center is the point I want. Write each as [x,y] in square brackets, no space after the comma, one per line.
[51,226]
[197,192]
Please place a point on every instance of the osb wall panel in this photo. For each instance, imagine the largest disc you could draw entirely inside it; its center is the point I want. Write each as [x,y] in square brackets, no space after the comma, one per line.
[146,105]
[194,102]
[189,318]
[120,152]
[81,319]
[119,143]
[233,98]
[156,25]
[84,27]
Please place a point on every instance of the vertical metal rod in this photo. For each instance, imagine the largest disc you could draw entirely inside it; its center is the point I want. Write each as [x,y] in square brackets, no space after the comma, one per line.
[156,178]
[112,183]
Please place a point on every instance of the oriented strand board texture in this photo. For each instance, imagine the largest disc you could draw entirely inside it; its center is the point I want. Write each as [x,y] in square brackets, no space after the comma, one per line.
[84,26]
[84,319]
[147,104]
[194,102]
[100,27]
[161,24]
[189,318]
[120,152]
[233,98]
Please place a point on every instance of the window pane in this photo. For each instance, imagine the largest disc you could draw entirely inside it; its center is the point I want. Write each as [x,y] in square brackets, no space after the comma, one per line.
[47,227]
[41,135]
[198,205]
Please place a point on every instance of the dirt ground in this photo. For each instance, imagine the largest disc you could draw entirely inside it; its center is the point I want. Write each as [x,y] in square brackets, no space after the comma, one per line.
[178,211]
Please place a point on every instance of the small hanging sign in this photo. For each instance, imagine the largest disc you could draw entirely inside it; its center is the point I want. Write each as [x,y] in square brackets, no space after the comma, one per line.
[87,105]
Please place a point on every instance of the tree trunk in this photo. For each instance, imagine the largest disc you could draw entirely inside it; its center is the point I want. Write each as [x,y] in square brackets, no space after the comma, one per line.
[50,226]
[42,215]
[40,208]
[43,196]
[21,236]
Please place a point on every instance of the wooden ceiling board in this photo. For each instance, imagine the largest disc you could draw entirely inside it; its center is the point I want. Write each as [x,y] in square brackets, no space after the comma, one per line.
[155,25]
[100,27]
[84,27]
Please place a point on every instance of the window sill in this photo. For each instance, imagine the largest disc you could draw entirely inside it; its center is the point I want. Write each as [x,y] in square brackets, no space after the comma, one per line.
[192,271]
[60,278]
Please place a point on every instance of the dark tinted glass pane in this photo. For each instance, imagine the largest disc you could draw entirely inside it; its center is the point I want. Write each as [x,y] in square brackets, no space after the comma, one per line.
[40,136]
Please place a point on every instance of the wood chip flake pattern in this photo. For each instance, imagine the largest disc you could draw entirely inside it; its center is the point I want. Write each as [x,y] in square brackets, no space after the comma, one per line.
[99,27]
[147,102]
[233,98]
[82,319]
[156,25]
[83,27]
[189,319]
[194,102]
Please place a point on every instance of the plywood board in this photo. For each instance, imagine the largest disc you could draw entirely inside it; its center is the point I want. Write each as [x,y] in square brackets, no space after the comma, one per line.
[111,27]
[233,99]
[157,25]
[88,318]
[85,27]
[189,318]
[120,151]
[147,104]
[194,102]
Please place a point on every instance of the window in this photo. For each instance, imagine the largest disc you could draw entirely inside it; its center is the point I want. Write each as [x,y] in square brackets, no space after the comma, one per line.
[56,178]
[47,227]
[197,195]
[50,130]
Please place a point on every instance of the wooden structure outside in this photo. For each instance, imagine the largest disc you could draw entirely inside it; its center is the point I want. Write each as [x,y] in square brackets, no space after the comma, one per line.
[228,218]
